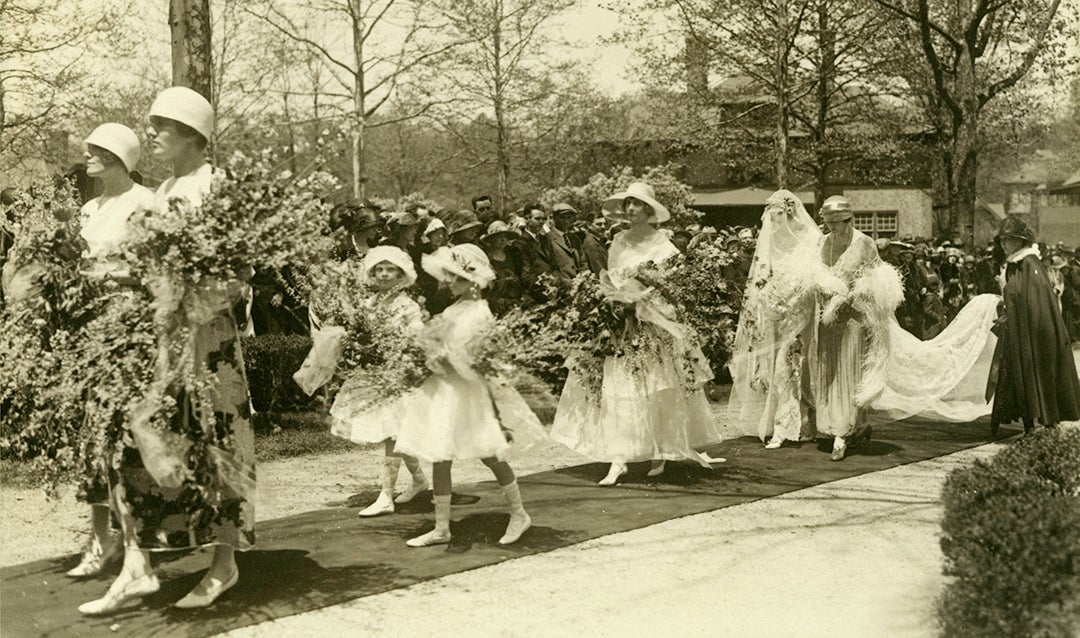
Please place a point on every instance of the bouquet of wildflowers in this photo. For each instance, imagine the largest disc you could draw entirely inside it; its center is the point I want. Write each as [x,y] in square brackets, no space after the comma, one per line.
[254,217]
[380,353]
[707,284]
[76,352]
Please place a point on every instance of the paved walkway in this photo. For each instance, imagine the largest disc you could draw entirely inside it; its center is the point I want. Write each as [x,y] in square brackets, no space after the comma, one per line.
[855,557]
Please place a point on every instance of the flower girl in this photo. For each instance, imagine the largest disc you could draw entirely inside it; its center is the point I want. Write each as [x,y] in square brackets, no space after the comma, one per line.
[388,270]
[459,413]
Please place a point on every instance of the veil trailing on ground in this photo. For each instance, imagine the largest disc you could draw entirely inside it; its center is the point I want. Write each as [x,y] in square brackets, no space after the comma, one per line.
[943,379]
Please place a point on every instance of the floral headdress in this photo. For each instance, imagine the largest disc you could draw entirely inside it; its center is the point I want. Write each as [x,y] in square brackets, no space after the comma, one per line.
[464,260]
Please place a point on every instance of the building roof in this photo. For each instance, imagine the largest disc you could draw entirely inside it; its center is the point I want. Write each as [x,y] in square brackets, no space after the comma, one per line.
[749,196]
[997,209]
[1071,184]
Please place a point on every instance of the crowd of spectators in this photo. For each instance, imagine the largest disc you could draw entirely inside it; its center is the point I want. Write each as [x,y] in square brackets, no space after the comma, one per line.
[558,241]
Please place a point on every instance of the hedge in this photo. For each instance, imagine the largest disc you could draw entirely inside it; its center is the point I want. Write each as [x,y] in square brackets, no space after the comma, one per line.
[1011,539]
[271,361]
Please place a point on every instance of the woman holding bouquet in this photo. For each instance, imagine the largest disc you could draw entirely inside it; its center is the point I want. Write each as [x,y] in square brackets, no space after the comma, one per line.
[190,481]
[649,403]
[459,412]
[388,270]
[775,330]
[112,152]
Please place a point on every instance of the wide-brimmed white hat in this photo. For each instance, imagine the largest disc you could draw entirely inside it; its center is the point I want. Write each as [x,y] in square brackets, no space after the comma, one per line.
[464,260]
[187,107]
[393,255]
[613,206]
[118,140]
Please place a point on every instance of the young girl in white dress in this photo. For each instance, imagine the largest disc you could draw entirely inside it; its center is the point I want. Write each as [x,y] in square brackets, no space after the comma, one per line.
[458,413]
[388,270]
[650,407]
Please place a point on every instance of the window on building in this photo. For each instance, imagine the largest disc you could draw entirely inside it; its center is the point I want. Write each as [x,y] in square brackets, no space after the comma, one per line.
[878,224]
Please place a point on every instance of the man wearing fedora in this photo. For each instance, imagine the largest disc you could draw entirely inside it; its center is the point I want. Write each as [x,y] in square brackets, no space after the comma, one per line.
[1033,375]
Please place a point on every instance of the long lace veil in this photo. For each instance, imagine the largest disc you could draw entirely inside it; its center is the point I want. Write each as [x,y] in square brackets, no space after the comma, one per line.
[777,306]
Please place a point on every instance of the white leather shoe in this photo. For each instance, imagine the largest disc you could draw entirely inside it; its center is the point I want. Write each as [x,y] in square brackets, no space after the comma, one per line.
[657,468]
[96,558]
[207,591]
[120,593]
[382,505]
[515,529]
[416,489]
[434,537]
[614,472]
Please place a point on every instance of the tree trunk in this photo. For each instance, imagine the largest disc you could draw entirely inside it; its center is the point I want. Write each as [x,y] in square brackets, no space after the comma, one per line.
[192,54]
[501,134]
[781,97]
[359,126]
[826,74]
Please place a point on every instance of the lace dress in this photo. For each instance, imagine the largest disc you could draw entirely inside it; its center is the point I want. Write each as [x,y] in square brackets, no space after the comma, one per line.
[458,414]
[352,415]
[650,405]
[194,484]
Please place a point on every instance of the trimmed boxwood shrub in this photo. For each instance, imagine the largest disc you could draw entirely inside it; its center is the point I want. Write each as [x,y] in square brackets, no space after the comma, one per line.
[1011,539]
[271,361]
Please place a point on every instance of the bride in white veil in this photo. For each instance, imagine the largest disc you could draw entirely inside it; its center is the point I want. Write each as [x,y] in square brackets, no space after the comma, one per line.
[941,380]
[767,368]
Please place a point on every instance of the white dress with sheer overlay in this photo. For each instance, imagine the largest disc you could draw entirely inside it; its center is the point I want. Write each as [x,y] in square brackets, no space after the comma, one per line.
[649,406]
[457,413]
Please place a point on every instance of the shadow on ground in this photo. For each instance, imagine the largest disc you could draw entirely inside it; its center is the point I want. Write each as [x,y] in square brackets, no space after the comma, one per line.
[329,556]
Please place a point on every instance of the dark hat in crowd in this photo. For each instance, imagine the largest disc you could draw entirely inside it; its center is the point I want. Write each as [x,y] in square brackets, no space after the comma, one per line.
[353,217]
[1017,228]
[463,220]
[563,207]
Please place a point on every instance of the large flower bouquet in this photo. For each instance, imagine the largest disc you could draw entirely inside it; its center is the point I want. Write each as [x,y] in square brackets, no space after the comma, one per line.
[253,217]
[196,256]
[76,351]
[380,352]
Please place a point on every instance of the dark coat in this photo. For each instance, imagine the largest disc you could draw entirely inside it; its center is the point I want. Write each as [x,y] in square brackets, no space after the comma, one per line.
[537,258]
[593,253]
[1036,372]
[565,256]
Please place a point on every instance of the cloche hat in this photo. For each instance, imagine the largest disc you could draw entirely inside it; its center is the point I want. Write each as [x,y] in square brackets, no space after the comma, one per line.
[187,107]
[393,255]
[464,260]
[119,140]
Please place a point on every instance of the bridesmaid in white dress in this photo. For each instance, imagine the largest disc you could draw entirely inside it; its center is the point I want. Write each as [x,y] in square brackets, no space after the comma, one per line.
[651,405]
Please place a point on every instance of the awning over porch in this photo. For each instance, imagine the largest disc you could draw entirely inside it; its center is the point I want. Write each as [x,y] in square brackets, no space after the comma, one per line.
[749,196]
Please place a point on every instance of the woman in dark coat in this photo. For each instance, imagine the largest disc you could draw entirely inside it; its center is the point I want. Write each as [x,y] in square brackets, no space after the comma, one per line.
[1036,375]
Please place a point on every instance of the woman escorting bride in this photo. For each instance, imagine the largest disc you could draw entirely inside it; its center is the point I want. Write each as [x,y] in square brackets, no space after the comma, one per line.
[817,330]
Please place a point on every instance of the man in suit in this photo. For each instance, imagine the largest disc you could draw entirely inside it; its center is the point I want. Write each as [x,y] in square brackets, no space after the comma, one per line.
[537,252]
[566,257]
